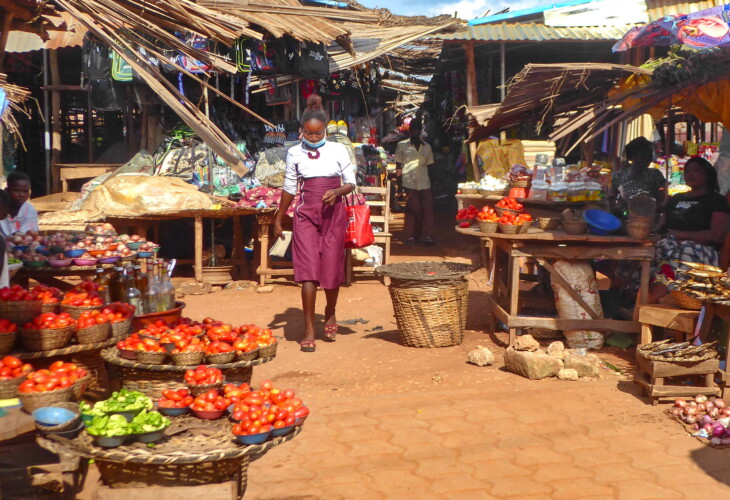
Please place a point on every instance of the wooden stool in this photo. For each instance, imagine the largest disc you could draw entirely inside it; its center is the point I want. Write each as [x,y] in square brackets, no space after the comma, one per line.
[651,374]
[681,321]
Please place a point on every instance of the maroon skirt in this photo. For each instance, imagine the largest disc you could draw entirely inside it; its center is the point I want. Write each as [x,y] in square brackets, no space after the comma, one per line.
[318,238]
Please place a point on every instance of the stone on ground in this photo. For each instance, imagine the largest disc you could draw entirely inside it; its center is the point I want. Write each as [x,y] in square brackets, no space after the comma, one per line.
[481,356]
[526,343]
[533,365]
[556,350]
[568,374]
[586,366]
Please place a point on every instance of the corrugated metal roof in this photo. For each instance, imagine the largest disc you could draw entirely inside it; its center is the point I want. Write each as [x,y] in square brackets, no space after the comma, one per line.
[535,32]
[66,32]
[656,9]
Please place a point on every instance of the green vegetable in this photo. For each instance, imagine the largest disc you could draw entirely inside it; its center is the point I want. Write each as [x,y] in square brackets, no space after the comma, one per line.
[123,400]
[148,422]
[112,425]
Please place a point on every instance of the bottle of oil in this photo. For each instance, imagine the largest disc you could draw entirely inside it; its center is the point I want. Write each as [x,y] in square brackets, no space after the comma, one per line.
[103,281]
[132,295]
[117,284]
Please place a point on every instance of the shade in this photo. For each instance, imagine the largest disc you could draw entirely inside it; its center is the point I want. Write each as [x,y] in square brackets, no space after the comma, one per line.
[701,30]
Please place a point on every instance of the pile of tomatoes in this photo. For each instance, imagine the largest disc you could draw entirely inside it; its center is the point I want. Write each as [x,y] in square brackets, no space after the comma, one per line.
[266,409]
[511,204]
[16,293]
[487,214]
[210,401]
[58,376]
[510,219]
[7,327]
[219,347]
[11,367]
[180,398]
[51,320]
[467,214]
[79,299]
[92,318]
[47,294]
[87,286]
[136,343]
[118,311]
[203,375]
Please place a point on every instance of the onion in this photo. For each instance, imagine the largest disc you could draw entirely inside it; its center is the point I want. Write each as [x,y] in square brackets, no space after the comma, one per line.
[718,431]
[708,428]
[725,412]
[719,403]
[690,410]
[705,419]
[714,413]
[695,427]
[701,407]
[676,411]
[692,404]
[701,399]
[690,419]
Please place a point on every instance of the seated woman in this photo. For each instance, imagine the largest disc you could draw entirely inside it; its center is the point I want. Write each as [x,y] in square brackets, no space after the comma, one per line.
[637,178]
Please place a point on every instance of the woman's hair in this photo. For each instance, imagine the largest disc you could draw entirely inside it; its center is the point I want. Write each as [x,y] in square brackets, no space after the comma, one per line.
[638,146]
[710,173]
[314,110]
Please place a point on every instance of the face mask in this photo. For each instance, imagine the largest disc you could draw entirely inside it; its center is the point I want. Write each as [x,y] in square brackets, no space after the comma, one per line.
[315,145]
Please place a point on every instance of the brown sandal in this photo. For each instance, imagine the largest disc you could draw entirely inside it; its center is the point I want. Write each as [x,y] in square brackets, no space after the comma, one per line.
[307,345]
[330,332]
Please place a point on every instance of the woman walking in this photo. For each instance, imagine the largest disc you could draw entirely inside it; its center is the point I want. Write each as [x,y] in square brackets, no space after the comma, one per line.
[324,174]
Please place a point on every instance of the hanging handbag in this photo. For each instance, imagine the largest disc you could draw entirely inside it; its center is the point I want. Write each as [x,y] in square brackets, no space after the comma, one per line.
[121,70]
[359,231]
[313,63]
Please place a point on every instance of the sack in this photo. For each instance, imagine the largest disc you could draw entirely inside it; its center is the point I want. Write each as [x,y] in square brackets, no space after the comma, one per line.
[95,60]
[314,63]
[359,232]
[121,71]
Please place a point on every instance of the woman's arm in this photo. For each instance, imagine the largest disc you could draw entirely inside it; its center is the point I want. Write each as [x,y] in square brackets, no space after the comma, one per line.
[713,236]
[284,203]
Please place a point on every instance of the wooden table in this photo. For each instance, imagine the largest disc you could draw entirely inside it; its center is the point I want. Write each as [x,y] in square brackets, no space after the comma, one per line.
[51,276]
[69,171]
[267,267]
[536,208]
[541,247]
[141,224]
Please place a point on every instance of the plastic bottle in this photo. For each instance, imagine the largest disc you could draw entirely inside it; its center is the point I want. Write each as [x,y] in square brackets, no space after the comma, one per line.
[132,294]
[558,192]
[152,294]
[166,299]
[103,281]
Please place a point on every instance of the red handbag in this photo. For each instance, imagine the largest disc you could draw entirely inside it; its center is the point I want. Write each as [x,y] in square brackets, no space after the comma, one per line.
[359,232]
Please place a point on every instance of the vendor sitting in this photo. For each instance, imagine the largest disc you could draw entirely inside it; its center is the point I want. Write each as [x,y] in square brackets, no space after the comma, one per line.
[696,224]
[637,178]
[22,216]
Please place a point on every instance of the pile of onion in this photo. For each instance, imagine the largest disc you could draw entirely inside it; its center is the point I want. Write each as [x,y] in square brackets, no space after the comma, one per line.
[710,415]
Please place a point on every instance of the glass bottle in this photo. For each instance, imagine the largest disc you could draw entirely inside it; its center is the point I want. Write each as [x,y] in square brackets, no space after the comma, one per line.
[140,278]
[167,290]
[103,281]
[132,295]
[152,294]
[117,284]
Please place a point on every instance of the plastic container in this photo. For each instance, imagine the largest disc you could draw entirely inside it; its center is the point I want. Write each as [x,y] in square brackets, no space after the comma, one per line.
[558,192]
[254,438]
[170,316]
[593,191]
[576,192]
[539,190]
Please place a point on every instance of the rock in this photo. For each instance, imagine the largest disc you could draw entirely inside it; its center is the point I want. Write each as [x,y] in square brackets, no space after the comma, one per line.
[586,366]
[526,343]
[194,288]
[533,365]
[568,374]
[556,350]
[481,356]
[265,289]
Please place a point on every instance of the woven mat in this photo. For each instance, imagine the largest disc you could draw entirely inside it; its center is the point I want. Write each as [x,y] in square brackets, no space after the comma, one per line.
[111,355]
[188,440]
[425,271]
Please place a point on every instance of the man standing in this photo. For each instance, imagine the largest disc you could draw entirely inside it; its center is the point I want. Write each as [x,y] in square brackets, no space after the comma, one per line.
[412,159]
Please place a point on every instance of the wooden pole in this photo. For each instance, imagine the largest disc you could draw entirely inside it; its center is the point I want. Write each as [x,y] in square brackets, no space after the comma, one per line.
[199,249]
[502,70]
[55,119]
[472,99]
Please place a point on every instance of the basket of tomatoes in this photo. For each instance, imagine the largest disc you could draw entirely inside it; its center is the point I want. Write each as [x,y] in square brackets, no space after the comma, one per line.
[203,378]
[8,334]
[219,352]
[465,217]
[46,387]
[508,205]
[488,220]
[49,296]
[123,315]
[48,331]
[77,301]
[93,326]
[12,373]
[18,305]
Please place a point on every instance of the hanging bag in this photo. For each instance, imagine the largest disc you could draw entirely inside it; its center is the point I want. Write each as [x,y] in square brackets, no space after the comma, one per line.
[314,63]
[121,70]
[359,232]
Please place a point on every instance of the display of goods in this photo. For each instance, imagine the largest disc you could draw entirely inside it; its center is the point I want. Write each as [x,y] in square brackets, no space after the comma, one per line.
[581,278]
[93,318]
[467,214]
[665,350]
[118,311]
[203,375]
[82,299]
[709,418]
[121,402]
[180,398]
[216,330]
[7,327]
[699,281]
[58,376]
[262,336]
[218,347]
[47,294]
[210,404]
[8,334]
[510,203]
[487,214]
[16,293]
[115,425]
[519,175]
[50,320]
[136,343]
[186,346]
[12,367]
[267,409]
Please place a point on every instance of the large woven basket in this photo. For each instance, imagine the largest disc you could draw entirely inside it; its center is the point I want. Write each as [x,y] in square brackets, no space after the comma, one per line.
[80,386]
[198,389]
[522,183]
[219,358]
[20,312]
[548,223]
[151,357]
[6,342]
[121,328]
[92,362]
[501,211]
[469,190]
[152,383]
[575,226]
[187,358]
[93,334]
[34,400]
[685,301]
[248,356]
[509,228]
[51,307]
[46,339]
[639,229]
[75,311]
[268,351]
[9,388]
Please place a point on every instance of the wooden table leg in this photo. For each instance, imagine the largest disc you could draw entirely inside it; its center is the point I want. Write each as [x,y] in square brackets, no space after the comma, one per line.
[69,473]
[198,249]
[514,289]
[264,227]
[643,296]
[237,252]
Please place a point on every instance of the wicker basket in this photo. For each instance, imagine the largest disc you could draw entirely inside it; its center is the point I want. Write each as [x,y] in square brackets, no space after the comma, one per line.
[121,328]
[218,359]
[548,223]
[9,388]
[20,312]
[488,227]
[509,228]
[524,227]
[34,400]
[151,358]
[187,358]
[135,475]
[469,190]
[46,339]
[198,389]
[685,301]
[248,356]
[6,342]
[80,386]
[268,351]
[152,383]
[71,424]
[92,362]
[639,229]
[75,311]
[492,192]
[93,334]
[522,183]
[575,226]
[501,211]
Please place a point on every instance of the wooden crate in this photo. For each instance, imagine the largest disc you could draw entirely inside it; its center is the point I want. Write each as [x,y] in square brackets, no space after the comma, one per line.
[651,374]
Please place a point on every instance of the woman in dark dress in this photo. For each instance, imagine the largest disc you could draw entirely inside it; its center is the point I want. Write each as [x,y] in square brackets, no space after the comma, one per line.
[323,173]
[636,177]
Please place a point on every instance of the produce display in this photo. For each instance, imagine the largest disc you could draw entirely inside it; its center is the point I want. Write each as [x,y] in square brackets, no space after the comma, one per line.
[180,398]
[51,320]
[700,281]
[709,418]
[11,367]
[465,216]
[47,294]
[7,327]
[266,410]
[487,214]
[16,293]
[510,203]
[121,401]
[58,376]
[203,375]
[93,318]
[125,413]
[74,298]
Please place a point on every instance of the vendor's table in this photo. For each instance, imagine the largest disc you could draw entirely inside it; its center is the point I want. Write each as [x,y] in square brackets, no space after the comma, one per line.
[538,245]
[51,275]
[536,208]
[65,172]
[266,266]
[141,224]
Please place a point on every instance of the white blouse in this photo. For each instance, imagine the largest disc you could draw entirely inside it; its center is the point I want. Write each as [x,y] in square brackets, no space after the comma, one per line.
[333,161]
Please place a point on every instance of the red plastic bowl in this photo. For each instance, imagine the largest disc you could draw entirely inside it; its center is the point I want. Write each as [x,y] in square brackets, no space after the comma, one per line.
[208,415]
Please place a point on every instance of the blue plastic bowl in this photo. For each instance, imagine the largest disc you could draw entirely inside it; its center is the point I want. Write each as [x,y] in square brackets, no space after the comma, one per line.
[145,255]
[42,250]
[283,431]
[259,438]
[173,412]
[21,248]
[600,222]
[51,415]
[75,254]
